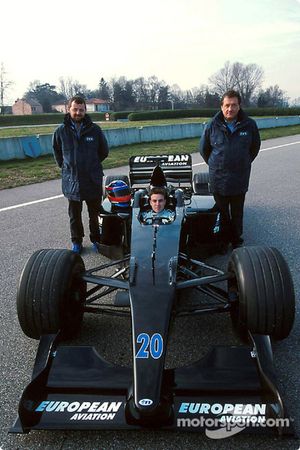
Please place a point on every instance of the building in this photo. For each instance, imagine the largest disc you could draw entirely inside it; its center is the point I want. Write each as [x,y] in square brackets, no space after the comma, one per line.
[23,107]
[60,107]
[92,105]
[97,105]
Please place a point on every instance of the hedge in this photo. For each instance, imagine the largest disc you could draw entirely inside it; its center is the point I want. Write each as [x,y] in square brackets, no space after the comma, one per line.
[171,114]
[292,111]
[208,112]
[54,118]
[40,119]
[120,115]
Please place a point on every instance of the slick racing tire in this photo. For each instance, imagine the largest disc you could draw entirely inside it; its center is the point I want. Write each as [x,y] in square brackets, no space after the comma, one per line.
[51,294]
[201,183]
[264,288]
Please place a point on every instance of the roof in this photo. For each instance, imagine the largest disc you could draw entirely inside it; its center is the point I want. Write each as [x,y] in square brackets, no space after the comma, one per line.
[30,102]
[33,102]
[95,101]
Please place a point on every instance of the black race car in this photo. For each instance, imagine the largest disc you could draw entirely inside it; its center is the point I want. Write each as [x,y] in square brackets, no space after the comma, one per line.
[72,387]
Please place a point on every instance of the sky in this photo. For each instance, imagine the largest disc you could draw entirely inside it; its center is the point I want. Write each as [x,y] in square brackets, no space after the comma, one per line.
[182,42]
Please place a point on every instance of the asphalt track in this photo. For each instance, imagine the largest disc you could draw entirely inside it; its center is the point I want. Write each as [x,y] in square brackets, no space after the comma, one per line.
[35,217]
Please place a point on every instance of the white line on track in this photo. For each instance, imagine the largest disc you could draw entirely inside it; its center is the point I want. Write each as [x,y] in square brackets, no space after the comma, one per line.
[262,150]
[194,165]
[31,203]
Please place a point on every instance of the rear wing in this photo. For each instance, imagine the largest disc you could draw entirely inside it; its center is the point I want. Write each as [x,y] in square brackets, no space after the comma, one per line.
[177,168]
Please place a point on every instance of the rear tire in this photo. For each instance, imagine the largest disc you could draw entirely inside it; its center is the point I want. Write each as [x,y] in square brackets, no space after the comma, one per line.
[201,183]
[264,286]
[51,294]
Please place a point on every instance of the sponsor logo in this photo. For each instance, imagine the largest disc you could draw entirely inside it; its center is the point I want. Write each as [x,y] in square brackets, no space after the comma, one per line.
[145,402]
[217,408]
[227,419]
[89,139]
[166,159]
[178,158]
[174,163]
[243,133]
[81,410]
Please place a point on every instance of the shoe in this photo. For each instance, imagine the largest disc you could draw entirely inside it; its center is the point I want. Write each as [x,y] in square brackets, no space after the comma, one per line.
[96,246]
[76,248]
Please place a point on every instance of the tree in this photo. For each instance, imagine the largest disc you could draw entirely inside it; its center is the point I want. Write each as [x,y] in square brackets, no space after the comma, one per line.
[177,96]
[128,95]
[244,78]
[247,79]
[295,101]
[123,94]
[222,80]
[70,87]
[211,99]
[4,86]
[153,88]
[141,93]
[44,93]
[272,96]
[104,90]
[163,100]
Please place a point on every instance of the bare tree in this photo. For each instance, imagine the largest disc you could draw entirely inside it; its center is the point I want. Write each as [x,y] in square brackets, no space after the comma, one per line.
[141,92]
[153,88]
[177,96]
[245,78]
[295,101]
[70,87]
[4,86]
[222,80]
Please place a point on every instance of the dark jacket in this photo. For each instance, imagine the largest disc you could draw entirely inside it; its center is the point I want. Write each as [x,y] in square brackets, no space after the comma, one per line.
[229,155]
[80,158]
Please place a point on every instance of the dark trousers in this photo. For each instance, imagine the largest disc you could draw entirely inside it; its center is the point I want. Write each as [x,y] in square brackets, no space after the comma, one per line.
[231,209]
[76,225]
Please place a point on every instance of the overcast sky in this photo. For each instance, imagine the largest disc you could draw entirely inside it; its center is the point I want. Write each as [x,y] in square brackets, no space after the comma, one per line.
[182,42]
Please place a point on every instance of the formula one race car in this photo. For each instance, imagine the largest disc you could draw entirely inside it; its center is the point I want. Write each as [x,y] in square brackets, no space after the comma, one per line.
[72,387]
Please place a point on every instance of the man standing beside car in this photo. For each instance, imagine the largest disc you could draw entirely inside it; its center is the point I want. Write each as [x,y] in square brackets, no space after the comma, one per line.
[79,147]
[229,144]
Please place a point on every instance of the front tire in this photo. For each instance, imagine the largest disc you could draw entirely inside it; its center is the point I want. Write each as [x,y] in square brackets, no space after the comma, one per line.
[264,287]
[51,294]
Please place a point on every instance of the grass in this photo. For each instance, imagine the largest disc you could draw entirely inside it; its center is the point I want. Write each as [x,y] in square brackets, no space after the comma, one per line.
[48,129]
[27,171]
[15,173]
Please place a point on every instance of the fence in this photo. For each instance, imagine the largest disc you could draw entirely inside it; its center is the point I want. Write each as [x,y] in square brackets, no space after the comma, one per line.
[21,147]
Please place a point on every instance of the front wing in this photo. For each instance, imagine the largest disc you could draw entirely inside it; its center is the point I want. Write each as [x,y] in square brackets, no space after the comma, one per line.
[231,389]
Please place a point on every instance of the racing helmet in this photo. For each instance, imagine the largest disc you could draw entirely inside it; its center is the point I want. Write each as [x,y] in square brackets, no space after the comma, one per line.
[118,193]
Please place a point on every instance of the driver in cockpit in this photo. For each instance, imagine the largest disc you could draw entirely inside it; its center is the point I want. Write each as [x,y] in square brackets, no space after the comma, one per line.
[158,213]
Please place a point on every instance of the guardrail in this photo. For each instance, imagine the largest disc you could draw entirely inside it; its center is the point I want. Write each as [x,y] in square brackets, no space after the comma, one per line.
[21,147]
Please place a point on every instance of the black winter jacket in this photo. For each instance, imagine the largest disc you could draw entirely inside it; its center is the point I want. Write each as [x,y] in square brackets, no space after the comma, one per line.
[80,158]
[229,155]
